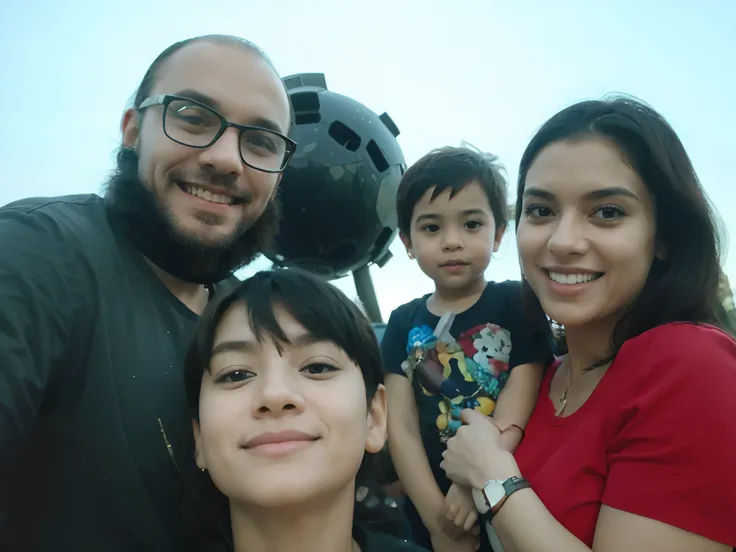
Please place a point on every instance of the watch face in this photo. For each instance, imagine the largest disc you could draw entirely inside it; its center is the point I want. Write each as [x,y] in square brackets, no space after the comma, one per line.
[494,492]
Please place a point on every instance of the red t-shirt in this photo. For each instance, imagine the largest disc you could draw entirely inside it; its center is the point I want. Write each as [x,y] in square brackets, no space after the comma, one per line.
[657,438]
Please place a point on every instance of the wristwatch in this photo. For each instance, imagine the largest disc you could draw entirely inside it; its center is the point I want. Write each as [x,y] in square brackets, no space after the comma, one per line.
[494,493]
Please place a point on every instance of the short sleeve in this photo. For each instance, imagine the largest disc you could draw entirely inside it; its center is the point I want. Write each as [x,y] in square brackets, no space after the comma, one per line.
[393,343]
[531,336]
[673,458]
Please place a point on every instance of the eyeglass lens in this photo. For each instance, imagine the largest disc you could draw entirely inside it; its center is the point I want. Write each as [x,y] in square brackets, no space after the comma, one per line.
[194,125]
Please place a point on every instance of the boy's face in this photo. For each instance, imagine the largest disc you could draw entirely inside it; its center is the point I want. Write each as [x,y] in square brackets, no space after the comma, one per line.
[452,239]
[283,423]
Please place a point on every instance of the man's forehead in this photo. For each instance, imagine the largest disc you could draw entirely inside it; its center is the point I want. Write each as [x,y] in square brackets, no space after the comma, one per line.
[242,84]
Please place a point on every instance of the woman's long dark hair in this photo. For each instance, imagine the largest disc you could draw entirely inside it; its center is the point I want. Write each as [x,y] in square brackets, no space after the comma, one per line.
[683,287]
[327,314]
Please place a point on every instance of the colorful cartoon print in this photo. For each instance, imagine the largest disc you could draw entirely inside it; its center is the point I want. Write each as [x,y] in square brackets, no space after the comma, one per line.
[468,372]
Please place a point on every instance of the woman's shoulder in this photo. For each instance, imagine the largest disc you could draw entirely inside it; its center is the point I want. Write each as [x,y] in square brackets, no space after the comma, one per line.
[675,365]
[682,346]
[689,330]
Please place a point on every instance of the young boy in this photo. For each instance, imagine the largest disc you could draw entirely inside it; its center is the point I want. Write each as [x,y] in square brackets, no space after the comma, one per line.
[451,208]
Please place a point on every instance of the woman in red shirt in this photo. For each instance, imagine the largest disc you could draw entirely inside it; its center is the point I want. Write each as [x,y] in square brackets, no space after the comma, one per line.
[632,443]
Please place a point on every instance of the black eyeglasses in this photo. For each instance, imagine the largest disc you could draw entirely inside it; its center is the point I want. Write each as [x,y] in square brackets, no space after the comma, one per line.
[197,125]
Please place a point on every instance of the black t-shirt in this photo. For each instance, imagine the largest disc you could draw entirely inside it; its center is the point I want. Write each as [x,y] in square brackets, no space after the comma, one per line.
[368,540]
[494,335]
[371,541]
[91,353]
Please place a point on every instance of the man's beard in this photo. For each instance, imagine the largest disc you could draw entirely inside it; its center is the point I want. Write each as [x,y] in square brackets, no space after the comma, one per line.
[154,232]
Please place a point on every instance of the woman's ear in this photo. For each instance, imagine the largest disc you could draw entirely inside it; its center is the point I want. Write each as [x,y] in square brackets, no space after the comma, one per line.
[198,456]
[376,422]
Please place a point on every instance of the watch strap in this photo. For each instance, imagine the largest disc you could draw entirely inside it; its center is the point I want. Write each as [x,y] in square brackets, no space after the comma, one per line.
[510,486]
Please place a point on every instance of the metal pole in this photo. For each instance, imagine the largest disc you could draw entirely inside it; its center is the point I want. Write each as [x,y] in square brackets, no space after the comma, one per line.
[367,293]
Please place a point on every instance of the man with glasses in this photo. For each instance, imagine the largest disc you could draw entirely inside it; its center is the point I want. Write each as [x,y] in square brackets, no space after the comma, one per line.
[99,297]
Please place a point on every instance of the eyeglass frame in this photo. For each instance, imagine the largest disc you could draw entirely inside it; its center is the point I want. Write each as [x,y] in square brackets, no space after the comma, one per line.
[165,99]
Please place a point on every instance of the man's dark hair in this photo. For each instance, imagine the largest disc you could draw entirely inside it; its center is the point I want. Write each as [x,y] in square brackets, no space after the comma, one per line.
[682,287]
[453,168]
[149,79]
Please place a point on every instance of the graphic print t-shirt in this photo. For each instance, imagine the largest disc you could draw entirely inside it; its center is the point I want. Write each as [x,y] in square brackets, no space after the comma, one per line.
[491,338]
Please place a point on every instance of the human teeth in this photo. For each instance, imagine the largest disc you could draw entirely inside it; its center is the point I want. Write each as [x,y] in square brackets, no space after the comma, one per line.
[209,196]
[561,278]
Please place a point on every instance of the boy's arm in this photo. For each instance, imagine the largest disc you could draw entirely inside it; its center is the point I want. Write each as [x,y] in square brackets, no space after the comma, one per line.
[516,402]
[408,454]
[530,354]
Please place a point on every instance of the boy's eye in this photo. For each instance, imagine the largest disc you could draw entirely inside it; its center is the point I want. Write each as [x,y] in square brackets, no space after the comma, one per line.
[473,224]
[431,228]
[537,211]
[234,376]
[319,369]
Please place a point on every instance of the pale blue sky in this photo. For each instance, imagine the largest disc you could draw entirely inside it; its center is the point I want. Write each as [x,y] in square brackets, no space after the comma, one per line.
[486,71]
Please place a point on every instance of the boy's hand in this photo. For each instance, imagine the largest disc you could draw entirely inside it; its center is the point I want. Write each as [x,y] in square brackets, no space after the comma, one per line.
[460,512]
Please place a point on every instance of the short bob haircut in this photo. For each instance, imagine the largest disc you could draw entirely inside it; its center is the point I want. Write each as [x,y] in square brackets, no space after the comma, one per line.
[320,307]
[684,286]
[326,313]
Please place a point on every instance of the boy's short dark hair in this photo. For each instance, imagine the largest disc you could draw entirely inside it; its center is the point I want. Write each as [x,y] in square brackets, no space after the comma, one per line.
[326,313]
[454,168]
[320,307]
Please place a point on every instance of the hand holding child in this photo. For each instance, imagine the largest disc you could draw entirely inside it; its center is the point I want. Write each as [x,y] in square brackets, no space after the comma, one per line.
[476,453]
[460,512]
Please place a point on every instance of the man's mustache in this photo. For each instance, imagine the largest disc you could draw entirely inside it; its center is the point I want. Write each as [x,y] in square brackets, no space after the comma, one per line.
[151,230]
[225,184]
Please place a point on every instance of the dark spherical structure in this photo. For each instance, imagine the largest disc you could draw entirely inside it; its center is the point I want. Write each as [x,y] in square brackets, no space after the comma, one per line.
[339,191]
